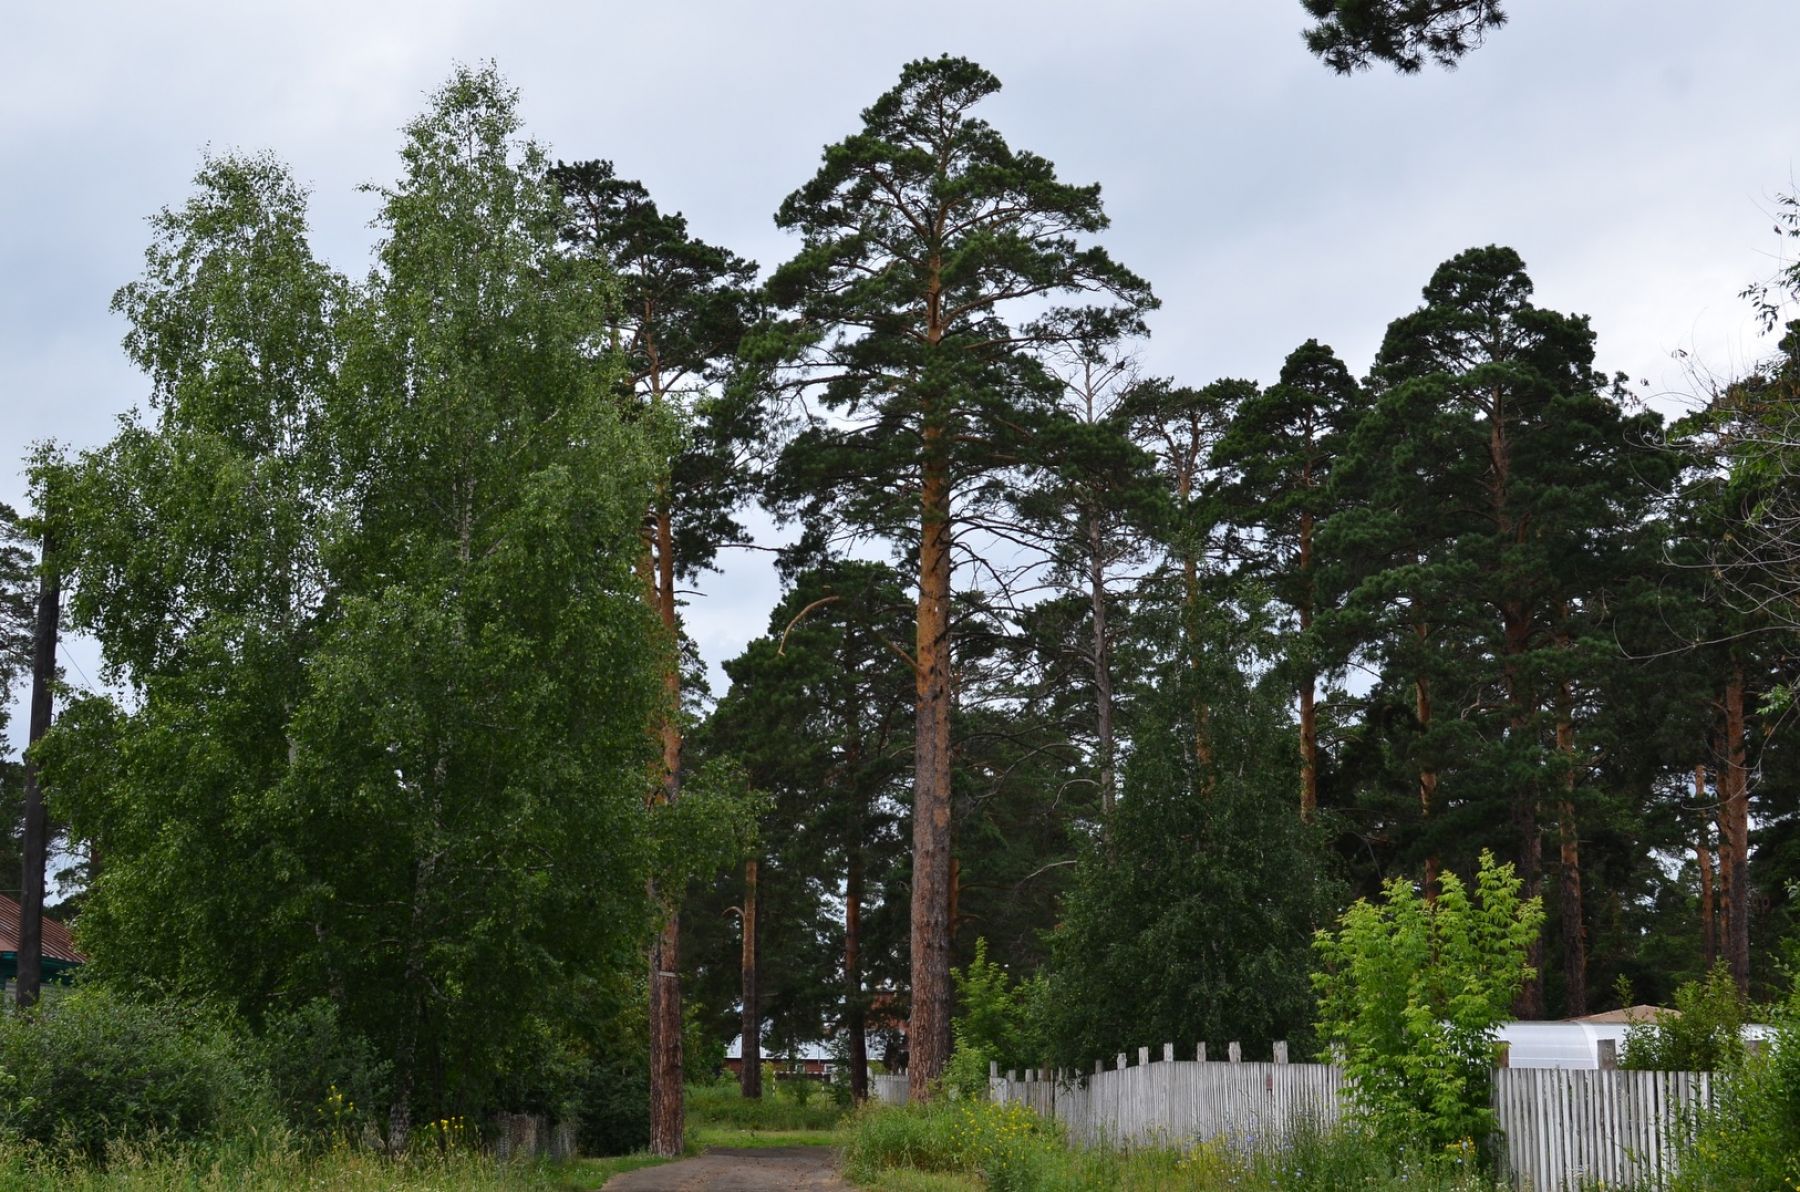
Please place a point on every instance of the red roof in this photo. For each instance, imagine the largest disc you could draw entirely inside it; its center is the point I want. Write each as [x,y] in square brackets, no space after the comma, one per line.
[57,944]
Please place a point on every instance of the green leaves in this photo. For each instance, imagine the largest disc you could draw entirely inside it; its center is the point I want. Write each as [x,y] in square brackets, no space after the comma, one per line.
[1411,993]
[1352,35]
[370,570]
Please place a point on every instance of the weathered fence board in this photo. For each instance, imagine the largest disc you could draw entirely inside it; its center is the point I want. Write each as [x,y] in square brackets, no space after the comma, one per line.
[1572,1128]
[1176,1101]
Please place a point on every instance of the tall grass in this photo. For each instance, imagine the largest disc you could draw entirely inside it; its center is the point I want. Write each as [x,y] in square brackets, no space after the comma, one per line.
[279,1164]
[1012,1149]
[720,1106]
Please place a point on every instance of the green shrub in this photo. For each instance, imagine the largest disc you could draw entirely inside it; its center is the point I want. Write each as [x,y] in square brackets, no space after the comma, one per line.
[325,1078]
[966,1075]
[1413,991]
[997,1017]
[1750,1140]
[800,1089]
[90,1070]
[614,1106]
[919,1137]
[1705,1033]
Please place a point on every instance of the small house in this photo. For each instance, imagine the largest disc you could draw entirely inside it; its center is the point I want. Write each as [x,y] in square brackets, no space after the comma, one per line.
[60,957]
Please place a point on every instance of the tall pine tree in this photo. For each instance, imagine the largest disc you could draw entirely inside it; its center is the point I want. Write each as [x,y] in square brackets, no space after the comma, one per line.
[930,247]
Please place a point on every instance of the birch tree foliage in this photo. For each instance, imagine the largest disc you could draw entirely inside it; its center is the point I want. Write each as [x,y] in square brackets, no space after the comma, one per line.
[368,571]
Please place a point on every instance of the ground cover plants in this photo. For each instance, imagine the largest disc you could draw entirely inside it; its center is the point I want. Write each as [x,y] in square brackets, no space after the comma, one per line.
[1009,1148]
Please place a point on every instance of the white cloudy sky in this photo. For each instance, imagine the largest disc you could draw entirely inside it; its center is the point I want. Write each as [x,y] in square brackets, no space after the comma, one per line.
[1630,149]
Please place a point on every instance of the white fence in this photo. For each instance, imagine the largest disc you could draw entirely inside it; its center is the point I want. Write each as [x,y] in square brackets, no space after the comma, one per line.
[1573,1128]
[888,1090]
[1563,1129]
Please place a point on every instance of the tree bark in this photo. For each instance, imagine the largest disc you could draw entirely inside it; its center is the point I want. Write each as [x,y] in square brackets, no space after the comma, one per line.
[928,1033]
[1734,835]
[1309,729]
[1103,696]
[1517,639]
[1428,778]
[667,1118]
[667,1110]
[856,1025]
[750,1044]
[1704,853]
[1574,927]
[36,826]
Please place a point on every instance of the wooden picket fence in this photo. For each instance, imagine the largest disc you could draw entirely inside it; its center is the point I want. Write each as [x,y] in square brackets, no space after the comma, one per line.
[1561,1129]
[1566,1128]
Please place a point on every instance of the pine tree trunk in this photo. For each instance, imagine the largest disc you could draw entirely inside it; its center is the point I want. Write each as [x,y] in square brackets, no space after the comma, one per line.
[1309,729]
[667,1120]
[855,1016]
[1574,928]
[750,1041]
[1428,778]
[1574,931]
[36,842]
[928,1032]
[1103,696]
[667,1111]
[1703,852]
[1734,837]
[1530,1004]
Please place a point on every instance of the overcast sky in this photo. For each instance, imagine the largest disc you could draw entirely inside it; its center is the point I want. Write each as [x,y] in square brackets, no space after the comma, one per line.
[1631,150]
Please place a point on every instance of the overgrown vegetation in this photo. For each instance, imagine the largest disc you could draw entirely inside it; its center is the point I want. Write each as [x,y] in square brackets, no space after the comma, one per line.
[1704,1033]
[1412,991]
[1750,1140]
[786,1107]
[1011,1149]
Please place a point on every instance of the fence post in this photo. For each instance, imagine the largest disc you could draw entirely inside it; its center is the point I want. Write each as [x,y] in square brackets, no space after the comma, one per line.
[1121,1061]
[1143,1056]
[993,1069]
[1502,1055]
[1234,1053]
[1281,1051]
[1200,1053]
[1099,1067]
[1168,1053]
[1609,1054]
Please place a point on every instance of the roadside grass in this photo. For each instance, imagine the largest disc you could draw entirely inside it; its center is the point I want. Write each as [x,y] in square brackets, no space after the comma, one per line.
[954,1147]
[904,1179]
[584,1175]
[720,1107]
[279,1166]
[701,1138]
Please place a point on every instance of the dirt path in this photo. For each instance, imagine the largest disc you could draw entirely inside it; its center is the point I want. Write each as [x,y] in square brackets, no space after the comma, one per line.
[740,1169]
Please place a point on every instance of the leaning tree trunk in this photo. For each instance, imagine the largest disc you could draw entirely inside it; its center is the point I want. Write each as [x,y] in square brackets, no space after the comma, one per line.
[36,826]
[928,1033]
[750,1041]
